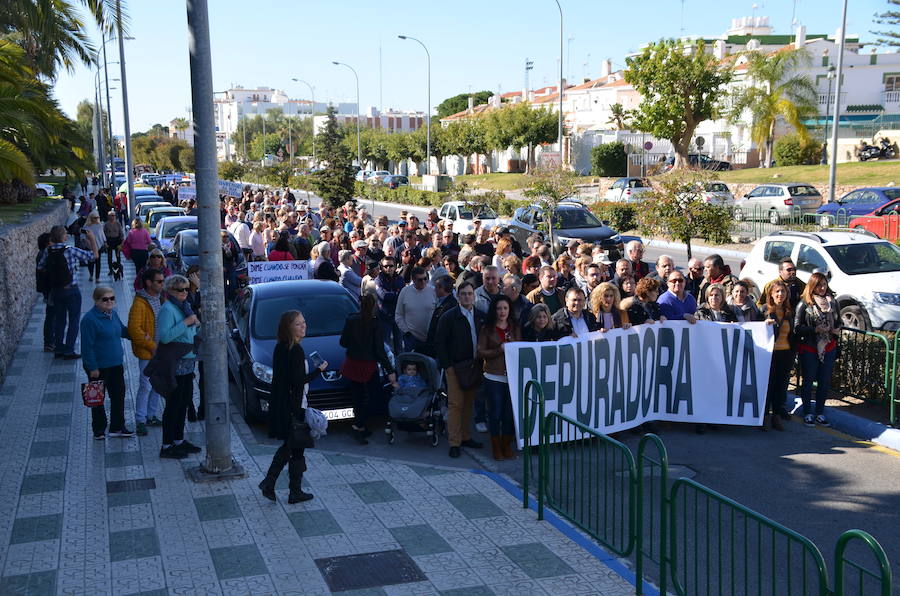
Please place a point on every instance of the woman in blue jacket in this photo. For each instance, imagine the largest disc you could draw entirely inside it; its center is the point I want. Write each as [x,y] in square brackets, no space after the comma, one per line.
[176,323]
[102,356]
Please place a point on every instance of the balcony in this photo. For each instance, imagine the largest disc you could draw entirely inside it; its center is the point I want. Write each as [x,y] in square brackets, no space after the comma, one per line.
[890,98]
[826,100]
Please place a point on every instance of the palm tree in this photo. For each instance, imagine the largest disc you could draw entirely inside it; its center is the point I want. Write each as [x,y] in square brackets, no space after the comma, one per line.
[180,124]
[776,91]
[619,116]
[52,32]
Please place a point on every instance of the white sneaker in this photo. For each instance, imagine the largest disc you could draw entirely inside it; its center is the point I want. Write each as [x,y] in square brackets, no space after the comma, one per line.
[481,427]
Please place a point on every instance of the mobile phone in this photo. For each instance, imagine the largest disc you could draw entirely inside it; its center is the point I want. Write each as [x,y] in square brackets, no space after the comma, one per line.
[315,359]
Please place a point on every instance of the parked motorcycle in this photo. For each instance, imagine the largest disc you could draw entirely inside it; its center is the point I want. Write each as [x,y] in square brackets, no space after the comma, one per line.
[883,150]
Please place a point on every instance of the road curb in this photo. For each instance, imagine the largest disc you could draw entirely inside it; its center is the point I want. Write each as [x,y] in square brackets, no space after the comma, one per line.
[705,250]
[856,426]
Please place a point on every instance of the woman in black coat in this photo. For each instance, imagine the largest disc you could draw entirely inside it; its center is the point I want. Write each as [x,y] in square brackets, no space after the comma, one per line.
[290,382]
[364,342]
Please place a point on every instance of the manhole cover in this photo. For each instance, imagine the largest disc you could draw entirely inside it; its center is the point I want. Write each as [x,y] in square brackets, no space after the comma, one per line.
[369,570]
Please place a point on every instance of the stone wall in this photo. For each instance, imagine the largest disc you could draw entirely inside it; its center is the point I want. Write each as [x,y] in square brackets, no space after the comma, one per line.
[18,249]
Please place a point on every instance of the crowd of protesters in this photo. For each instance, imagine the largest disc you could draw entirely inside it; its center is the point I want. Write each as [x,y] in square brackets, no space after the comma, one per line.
[456,295]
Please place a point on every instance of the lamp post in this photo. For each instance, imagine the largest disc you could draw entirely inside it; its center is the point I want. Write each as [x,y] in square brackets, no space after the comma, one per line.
[358,142]
[98,122]
[129,158]
[112,169]
[428,113]
[832,169]
[827,114]
[559,134]
[312,114]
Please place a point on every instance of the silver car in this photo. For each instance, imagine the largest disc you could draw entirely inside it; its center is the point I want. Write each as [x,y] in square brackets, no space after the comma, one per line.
[777,202]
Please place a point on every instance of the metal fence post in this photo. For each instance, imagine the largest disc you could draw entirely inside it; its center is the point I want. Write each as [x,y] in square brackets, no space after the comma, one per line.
[663,464]
[884,575]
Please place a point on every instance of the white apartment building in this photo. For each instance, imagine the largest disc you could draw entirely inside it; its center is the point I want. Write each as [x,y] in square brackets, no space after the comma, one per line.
[237,103]
[390,120]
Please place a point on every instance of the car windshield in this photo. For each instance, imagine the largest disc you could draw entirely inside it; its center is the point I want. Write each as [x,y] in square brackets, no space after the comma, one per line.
[870,257]
[892,194]
[190,246]
[638,183]
[567,219]
[324,316]
[476,211]
[717,187]
[158,215]
[803,191]
[170,231]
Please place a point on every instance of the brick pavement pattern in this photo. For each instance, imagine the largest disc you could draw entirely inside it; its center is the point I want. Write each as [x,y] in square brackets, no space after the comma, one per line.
[79,516]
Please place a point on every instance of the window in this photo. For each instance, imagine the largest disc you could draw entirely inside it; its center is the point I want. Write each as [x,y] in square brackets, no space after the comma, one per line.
[810,260]
[776,250]
[892,82]
[871,257]
[443,212]
[323,317]
[618,183]
[803,191]
[852,198]
[758,192]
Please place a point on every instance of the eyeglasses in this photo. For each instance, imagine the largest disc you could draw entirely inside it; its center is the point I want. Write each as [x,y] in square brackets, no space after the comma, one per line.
[179,289]
[676,281]
[108,299]
[790,269]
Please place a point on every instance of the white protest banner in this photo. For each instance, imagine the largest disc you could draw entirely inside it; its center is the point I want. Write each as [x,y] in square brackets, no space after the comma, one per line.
[187,192]
[231,189]
[263,271]
[714,373]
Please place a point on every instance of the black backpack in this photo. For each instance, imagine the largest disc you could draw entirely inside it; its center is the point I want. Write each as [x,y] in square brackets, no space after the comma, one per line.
[58,273]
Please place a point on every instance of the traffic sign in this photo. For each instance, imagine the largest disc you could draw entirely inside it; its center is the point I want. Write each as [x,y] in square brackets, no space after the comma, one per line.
[700,141]
[648,146]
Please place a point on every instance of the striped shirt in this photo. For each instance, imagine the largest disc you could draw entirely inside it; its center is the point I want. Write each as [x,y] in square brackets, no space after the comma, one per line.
[73,257]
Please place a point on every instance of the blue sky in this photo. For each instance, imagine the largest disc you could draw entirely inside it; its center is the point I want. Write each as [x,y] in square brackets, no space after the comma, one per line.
[474,44]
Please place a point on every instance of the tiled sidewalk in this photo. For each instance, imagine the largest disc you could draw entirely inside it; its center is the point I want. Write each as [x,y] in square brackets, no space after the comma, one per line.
[79,516]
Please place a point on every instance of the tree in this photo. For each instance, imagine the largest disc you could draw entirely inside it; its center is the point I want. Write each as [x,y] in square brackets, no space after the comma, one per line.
[619,116]
[458,103]
[264,145]
[520,125]
[676,209]
[465,138]
[681,86]
[778,90]
[609,159]
[334,182]
[230,170]
[550,186]
[180,124]
[84,119]
[890,18]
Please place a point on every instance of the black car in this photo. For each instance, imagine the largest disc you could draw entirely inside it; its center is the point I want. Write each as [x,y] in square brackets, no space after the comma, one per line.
[703,162]
[186,252]
[253,319]
[571,220]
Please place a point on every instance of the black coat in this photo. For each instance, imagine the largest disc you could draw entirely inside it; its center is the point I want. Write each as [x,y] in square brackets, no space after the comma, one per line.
[453,341]
[289,378]
[529,333]
[805,323]
[563,322]
[705,313]
[437,313]
[641,312]
[323,269]
[365,343]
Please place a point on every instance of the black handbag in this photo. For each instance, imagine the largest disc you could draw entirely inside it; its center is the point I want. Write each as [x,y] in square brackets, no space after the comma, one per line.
[300,435]
[468,373]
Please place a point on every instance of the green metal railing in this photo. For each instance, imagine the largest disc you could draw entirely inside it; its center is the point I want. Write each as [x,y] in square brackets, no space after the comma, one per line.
[895,380]
[699,540]
[755,221]
[863,369]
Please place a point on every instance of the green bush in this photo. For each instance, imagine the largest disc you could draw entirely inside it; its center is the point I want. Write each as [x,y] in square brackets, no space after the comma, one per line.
[621,216]
[790,150]
[608,159]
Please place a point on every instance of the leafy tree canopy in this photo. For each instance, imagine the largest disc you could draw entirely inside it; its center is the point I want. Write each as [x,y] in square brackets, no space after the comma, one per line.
[458,103]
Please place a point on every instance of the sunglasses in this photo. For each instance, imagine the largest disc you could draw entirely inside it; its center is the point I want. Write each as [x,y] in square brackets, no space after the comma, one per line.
[108,299]
[676,281]
[179,289]
[790,269]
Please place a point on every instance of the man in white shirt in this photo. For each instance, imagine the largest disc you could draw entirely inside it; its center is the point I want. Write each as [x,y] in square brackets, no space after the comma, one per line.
[241,233]
[415,304]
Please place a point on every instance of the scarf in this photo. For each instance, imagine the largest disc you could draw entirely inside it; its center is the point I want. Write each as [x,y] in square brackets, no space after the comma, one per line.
[822,315]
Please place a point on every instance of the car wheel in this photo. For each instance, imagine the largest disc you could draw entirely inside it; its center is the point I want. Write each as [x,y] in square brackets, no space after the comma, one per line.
[774,217]
[855,317]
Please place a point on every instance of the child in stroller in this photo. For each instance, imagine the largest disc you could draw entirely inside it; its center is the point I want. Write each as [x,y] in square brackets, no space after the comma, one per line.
[419,401]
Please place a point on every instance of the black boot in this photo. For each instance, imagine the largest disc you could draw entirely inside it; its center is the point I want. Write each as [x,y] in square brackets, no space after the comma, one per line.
[267,486]
[295,475]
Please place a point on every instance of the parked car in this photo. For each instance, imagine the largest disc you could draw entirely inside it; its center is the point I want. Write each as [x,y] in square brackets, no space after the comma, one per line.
[884,222]
[168,227]
[717,193]
[156,214]
[142,208]
[775,202]
[629,190]
[464,214]
[863,271]
[377,177]
[571,220]
[395,181]
[361,175]
[856,202]
[186,252]
[701,161]
[42,189]
[253,320]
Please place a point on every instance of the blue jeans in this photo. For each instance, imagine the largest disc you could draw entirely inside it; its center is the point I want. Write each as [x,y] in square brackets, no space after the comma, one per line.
[500,413]
[146,400]
[49,322]
[413,344]
[390,333]
[813,369]
[66,303]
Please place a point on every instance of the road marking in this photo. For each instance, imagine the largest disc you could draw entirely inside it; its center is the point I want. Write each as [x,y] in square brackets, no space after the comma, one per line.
[852,439]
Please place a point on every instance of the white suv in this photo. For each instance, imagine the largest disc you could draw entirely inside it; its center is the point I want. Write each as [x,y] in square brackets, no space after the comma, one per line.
[863,271]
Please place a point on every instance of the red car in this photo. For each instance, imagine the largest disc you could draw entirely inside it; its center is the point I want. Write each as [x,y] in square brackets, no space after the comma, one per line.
[884,222]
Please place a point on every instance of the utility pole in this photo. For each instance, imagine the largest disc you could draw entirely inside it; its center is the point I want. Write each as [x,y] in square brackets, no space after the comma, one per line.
[559,134]
[428,113]
[112,169]
[218,463]
[129,158]
[312,114]
[832,166]
[98,124]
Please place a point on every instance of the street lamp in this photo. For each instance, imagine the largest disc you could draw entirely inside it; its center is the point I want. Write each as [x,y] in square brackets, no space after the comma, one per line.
[358,142]
[832,170]
[428,113]
[312,114]
[559,134]
[830,77]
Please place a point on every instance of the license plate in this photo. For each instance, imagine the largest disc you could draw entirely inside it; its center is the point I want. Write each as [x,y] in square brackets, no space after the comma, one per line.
[339,414]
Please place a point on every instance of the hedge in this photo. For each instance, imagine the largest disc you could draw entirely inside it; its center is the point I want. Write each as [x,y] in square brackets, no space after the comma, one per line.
[622,217]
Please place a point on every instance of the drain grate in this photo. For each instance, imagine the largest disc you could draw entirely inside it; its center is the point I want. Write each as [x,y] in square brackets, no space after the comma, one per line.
[369,570]
[124,486]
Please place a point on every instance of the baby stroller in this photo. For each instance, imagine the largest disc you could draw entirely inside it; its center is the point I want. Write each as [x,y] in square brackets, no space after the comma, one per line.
[420,409]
